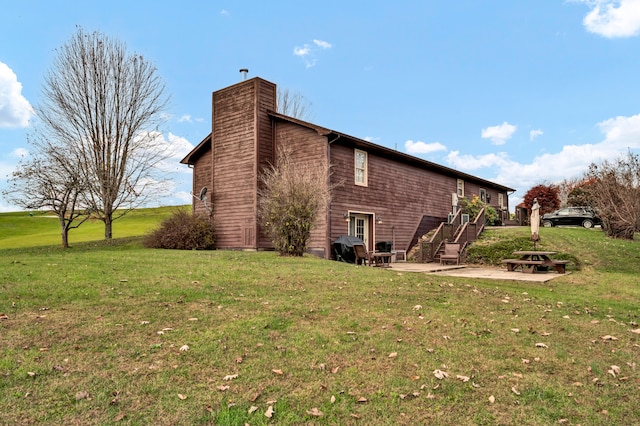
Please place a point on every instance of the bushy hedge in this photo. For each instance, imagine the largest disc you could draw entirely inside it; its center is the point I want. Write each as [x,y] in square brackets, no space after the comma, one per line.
[182,231]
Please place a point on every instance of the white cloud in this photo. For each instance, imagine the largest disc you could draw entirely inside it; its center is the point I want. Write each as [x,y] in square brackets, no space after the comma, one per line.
[620,134]
[535,133]
[322,44]
[470,162]
[419,147]
[613,18]
[185,118]
[308,51]
[302,51]
[15,110]
[225,12]
[498,135]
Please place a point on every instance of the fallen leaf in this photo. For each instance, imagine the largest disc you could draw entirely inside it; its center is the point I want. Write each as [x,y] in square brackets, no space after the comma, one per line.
[541,345]
[362,399]
[4,316]
[492,399]
[614,370]
[239,360]
[222,388]
[355,416]
[514,390]
[515,330]
[269,412]
[230,377]
[252,409]
[333,399]
[82,395]
[463,378]
[31,374]
[119,417]
[144,322]
[608,337]
[637,330]
[417,307]
[193,319]
[393,354]
[184,348]
[181,396]
[315,412]
[440,374]
[278,372]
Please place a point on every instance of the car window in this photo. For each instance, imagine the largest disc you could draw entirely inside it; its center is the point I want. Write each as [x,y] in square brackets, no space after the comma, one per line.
[563,212]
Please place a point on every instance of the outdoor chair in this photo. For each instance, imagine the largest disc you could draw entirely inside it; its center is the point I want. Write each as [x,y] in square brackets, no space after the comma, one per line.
[451,253]
[362,254]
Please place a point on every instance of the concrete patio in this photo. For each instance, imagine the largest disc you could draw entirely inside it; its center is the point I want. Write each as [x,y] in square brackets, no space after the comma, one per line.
[466,271]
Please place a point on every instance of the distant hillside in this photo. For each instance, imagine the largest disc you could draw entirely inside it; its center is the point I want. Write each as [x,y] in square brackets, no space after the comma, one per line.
[30,229]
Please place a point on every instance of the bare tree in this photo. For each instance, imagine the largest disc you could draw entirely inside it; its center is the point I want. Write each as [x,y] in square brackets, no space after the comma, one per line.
[614,188]
[50,181]
[292,196]
[293,104]
[102,105]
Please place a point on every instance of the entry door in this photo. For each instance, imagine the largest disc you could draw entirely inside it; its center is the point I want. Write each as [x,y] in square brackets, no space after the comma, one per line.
[359,227]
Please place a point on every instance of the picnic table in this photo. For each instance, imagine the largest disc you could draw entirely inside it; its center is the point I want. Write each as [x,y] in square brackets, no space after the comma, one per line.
[381,258]
[535,261]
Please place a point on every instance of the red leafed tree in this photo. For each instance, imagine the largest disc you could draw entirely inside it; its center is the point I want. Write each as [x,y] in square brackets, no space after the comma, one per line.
[547,196]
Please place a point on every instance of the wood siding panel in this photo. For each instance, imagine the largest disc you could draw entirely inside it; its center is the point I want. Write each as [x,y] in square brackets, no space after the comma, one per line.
[234,147]
[308,146]
[202,177]
[399,193]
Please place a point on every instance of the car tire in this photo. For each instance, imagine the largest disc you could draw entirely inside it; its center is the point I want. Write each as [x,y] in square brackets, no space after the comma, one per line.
[547,223]
[587,223]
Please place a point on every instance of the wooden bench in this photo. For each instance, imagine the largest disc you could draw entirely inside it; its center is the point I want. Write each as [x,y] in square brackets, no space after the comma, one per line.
[529,266]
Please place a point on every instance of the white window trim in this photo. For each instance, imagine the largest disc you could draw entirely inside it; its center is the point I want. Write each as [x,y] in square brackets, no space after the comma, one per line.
[460,188]
[365,170]
[501,199]
[483,199]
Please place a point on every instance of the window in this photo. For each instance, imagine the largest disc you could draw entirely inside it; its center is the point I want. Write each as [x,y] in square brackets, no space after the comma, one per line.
[460,188]
[501,200]
[483,195]
[360,168]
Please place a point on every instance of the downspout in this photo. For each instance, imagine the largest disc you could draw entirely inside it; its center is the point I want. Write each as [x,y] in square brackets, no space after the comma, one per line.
[329,253]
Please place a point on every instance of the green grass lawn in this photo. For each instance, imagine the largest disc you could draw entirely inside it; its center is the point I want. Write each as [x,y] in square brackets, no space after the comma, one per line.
[29,229]
[116,333]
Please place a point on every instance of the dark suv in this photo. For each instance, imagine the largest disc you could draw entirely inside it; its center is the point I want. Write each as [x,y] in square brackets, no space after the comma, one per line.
[571,216]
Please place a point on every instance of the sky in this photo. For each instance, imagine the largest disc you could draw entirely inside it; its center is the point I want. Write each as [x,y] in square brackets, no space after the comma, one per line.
[516,92]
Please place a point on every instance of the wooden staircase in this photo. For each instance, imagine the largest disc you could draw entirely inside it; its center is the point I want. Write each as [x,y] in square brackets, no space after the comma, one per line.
[453,231]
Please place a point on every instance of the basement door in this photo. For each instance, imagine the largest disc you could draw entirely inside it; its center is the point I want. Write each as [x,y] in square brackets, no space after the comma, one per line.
[359,227]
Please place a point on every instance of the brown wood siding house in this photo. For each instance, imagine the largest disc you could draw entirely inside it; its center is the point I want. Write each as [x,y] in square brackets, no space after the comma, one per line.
[381,194]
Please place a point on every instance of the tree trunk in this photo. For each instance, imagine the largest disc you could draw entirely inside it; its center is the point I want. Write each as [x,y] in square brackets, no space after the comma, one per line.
[108,227]
[64,232]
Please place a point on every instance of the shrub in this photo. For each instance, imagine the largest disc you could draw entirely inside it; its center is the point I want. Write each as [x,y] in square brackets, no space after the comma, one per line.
[182,231]
[472,208]
[292,196]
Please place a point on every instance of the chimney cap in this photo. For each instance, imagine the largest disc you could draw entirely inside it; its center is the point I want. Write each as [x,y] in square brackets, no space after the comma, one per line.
[244,72]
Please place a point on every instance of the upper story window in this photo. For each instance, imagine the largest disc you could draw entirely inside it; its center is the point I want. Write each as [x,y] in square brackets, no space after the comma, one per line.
[360,167]
[483,195]
[460,188]
[501,199]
